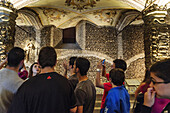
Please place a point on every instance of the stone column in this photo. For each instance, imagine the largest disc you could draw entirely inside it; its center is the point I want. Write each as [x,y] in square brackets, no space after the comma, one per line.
[156,35]
[37,43]
[7,27]
[120,46]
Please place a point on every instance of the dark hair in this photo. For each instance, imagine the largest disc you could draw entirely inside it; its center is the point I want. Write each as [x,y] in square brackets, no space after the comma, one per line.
[119,63]
[47,57]
[161,69]
[15,56]
[30,71]
[147,77]
[71,61]
[83,64]
[117,76]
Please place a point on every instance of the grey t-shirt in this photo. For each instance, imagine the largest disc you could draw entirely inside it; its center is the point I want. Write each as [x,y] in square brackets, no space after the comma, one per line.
[85,93]
[9,84]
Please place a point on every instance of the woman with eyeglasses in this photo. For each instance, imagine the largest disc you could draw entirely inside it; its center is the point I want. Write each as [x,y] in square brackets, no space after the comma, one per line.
[159,87]
[35,69]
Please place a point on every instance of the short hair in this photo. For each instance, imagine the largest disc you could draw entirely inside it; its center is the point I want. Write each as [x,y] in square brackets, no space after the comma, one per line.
[83,64]
[119,63]
[161,69]
[15,56]
[71,61]
[117,76]
[47,57]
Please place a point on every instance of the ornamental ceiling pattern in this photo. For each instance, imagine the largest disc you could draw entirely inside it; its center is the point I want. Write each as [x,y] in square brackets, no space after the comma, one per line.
[56,12]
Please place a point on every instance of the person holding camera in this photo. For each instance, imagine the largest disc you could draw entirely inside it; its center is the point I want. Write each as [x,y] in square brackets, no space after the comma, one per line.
[117,63]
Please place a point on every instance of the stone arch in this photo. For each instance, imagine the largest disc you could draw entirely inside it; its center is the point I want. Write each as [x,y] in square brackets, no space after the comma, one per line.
[27,16]
[137,61]
[126,18]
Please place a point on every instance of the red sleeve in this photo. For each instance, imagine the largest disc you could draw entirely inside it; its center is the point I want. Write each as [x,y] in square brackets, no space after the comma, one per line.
[107,86]
[107,76]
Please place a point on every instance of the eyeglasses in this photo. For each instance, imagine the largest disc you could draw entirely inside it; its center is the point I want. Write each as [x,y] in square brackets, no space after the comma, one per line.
[165,82]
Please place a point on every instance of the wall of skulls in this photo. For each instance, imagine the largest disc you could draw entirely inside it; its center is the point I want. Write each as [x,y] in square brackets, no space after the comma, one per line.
[45,36]
[23,38]
[133,45]
[96,47]
[104,42]
[133,41]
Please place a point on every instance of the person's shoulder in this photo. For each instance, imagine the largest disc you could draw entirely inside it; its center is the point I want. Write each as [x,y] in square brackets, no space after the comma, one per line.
[3,72]
[116,89]
[24,85]
[88,83]
[60,76]
[73,77]
[143,83]
[107,85]
[57,74]
[112,93]
[53,74]
[81,85]
[85,84]
[7,71]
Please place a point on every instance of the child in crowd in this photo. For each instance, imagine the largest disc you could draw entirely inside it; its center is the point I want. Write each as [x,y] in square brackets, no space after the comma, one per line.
[117,100]
[117,63]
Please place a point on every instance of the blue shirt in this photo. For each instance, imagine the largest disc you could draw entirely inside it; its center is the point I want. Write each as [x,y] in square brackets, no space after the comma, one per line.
[117,101]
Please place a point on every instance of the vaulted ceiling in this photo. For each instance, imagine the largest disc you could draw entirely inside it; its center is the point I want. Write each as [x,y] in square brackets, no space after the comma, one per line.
[116,13]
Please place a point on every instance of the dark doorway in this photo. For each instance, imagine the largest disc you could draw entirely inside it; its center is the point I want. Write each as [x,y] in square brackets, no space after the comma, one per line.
[69,35]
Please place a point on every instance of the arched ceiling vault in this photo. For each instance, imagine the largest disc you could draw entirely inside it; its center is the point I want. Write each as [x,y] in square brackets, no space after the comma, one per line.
[29,17]
[105,12]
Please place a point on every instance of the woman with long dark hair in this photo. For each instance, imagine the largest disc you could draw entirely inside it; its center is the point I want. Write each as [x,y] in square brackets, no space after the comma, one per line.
[35,68]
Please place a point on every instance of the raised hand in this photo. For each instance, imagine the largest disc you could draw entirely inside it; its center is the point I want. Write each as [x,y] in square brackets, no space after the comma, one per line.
[149,97]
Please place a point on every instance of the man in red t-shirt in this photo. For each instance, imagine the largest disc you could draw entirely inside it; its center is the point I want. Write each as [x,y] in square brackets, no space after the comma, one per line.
[118,63]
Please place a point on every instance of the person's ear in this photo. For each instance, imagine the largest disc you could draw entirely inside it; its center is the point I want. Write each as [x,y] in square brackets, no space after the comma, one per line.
[77,70]
[55,63]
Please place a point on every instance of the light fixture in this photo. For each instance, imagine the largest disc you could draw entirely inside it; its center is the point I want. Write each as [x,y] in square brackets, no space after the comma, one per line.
[81,4]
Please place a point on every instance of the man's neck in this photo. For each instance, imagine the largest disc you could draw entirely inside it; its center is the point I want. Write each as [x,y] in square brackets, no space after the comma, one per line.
[47,70]
[82,78]
[113,86]
[16,69]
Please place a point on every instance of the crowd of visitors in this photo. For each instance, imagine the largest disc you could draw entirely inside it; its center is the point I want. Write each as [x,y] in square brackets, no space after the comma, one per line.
[43,90]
